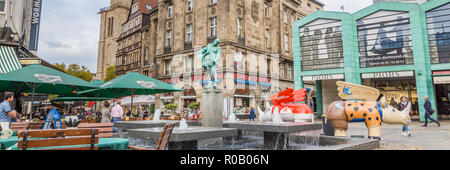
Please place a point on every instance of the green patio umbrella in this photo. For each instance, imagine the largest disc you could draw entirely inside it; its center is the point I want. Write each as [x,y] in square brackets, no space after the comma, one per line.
[40,79]
[65,99]
[96,83]
[129,85]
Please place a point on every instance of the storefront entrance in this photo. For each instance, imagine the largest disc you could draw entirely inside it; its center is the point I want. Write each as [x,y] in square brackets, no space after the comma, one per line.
[394,88]
[442,88]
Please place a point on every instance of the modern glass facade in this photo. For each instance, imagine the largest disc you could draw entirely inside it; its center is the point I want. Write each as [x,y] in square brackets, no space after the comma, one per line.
[402,49]
[438,27]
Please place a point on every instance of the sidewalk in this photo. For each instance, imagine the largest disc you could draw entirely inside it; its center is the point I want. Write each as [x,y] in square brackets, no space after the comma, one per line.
[423,138]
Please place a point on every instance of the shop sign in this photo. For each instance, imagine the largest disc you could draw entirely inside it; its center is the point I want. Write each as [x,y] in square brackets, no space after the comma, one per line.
[324,77]
[388,74]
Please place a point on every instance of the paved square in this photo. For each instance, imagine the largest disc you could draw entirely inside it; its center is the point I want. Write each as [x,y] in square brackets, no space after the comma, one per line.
[422,138]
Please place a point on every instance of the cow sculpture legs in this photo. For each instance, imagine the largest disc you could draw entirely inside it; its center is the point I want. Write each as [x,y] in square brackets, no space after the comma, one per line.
[340,127]
[374,132]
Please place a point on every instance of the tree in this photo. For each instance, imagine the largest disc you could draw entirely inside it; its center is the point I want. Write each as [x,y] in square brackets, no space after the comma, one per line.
[110,73]
[77,71]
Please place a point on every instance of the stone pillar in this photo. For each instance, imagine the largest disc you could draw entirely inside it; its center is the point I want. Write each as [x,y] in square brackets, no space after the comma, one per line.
[319,98]
[157,101]
[212,108]
[329,93]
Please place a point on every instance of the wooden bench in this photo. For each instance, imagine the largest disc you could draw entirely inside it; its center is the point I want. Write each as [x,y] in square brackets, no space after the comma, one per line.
[163,139]
[105,129]
[35,125]
[18,126]
[59,137]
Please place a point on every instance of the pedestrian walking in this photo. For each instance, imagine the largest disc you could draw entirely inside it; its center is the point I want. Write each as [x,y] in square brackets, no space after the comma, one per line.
[117,112]
[402,106]
[252,114]
[106,113]
[428,112]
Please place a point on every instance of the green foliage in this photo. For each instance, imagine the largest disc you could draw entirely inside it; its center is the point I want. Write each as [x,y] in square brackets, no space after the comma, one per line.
[110,73]
[171,106]
[194,105]
[77,71]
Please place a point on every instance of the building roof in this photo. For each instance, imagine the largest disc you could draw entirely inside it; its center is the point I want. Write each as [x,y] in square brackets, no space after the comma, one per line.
[147,5]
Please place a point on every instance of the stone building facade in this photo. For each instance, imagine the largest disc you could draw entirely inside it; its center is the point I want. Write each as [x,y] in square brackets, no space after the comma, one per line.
[112,18]
[257,32]
[255,40]
[132,54]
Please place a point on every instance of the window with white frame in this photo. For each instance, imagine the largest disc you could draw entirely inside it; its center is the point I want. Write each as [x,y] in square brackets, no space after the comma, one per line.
[289,71]
[266,9]
[286,42]
[168,38]
[267,38]
[308,6]
[146,55]
[190,5]
[282,70]
[189,64]
[189,33]
[239,20]
[2,5]
[213,27]
[170,11]
[134,8]
[168,67]
[285,15]
[213,1]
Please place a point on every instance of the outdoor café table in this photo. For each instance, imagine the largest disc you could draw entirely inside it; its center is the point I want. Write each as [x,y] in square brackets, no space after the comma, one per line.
[6,143]
[14,133]
[103,144]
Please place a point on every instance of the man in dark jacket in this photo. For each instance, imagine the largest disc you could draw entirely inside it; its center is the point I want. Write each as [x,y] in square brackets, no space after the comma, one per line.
[428,112]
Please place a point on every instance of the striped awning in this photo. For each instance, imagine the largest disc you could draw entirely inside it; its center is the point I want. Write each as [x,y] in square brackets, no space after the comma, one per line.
[8,59]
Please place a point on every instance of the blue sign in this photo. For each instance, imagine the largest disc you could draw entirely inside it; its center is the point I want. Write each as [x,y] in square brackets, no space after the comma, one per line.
[35,25]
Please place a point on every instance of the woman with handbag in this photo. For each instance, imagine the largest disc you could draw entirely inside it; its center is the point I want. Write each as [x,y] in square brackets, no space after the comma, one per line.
[428,112]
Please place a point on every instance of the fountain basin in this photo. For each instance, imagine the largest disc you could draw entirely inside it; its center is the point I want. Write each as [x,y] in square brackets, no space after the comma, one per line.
[150,124]
[276,135]
[285,127]
[183,139]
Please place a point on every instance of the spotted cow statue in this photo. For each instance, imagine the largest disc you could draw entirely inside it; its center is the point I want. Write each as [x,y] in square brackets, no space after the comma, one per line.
[373,110]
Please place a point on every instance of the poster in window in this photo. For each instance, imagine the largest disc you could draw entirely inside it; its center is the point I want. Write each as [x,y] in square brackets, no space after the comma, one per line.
[438,25]
[384,38]
[321,45]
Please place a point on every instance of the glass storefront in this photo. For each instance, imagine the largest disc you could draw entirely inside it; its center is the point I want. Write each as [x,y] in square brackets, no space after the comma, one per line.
[384,39]
[393,90]
[438,25]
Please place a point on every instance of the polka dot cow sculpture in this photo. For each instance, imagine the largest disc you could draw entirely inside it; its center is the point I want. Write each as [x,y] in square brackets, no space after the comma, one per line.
[373,110]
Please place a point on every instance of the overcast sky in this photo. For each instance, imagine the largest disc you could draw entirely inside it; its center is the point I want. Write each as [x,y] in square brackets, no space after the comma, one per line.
[70,28]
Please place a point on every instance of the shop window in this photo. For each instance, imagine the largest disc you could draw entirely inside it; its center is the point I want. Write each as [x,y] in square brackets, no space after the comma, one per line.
[438,25]
[321,45]
[2,5]
[385,39]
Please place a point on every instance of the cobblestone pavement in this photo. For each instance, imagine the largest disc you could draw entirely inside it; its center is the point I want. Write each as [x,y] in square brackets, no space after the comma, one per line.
[422,138]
